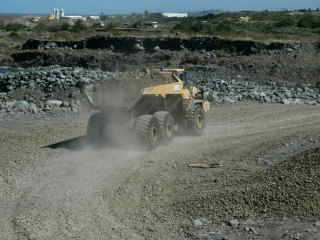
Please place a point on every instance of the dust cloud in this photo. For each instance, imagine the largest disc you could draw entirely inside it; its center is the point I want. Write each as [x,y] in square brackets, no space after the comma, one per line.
[67,192]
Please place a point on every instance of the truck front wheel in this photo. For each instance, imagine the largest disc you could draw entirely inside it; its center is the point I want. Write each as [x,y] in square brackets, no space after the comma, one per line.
[196,121]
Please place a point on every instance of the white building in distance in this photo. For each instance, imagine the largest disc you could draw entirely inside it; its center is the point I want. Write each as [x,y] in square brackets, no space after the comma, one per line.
[58,14]
[95,18]
[74,18]
[175,15]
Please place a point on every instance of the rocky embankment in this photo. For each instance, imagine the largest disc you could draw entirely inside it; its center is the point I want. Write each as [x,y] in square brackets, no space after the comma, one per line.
[35,90]
[133,44]
[55,89]
[238,90]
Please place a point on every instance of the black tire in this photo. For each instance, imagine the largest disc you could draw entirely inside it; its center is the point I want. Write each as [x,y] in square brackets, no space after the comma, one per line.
[148,131]
[196,121]
[96,128]
[166,122]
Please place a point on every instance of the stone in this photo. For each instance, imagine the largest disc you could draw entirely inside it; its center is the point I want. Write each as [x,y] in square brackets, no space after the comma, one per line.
[21,106]
[312,103]
[267,99]
[216,236]
[317,224]
[138,47]
[75,107]
[65,104]
[228,100]
[297,101]
[285,101]
[200,222]
[233,223]
[3,94]
[297,236]
[250,230]
[10,104]
[54,103]
[33,108]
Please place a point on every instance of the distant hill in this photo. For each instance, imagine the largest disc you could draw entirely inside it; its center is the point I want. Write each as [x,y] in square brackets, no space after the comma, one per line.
[21,14]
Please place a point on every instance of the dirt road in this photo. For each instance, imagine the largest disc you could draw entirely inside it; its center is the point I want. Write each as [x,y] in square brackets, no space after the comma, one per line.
[130,194]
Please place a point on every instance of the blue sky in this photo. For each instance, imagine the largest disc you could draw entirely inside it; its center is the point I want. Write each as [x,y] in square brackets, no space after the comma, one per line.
[125,6]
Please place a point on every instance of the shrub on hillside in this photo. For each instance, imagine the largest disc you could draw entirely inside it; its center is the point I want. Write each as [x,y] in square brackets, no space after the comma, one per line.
[196,26]
[79,26]
[186,25]
[52,27]
[65,26]
[285,22]
[14,27]
[40,27]
[309,21]
[224,26]
[14,35]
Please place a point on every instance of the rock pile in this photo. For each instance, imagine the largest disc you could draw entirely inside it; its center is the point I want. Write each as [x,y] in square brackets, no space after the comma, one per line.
[34,90]
[221,91]
[54,88]
[50,79]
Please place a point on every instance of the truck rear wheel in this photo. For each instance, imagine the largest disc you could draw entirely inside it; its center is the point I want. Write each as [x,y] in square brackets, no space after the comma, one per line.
[148,131]
[96,128]
[196,121]
[166,122]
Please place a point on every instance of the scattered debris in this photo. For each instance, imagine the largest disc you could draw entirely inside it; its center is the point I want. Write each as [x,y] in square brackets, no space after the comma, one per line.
[317,224]
[234,223]
[199,222]
[212,236]
[250,230]
[204,165]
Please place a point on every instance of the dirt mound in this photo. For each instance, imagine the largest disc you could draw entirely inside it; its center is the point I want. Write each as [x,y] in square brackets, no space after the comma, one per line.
[291,188]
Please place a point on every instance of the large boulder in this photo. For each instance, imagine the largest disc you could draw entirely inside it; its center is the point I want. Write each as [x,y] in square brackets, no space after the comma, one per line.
[54,103]
[21,106]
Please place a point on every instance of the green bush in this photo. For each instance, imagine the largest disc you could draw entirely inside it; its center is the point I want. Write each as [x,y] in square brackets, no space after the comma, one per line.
[110,26]
[197,27]
[65,26]
[2,25]
[79,26]
[15,27]
[224,26]
[52,27]
[194,26]
[285,22]
[41,27]
[261,22]
[185,25]
[14,35]
[137,24]
[316,31]
[309,21]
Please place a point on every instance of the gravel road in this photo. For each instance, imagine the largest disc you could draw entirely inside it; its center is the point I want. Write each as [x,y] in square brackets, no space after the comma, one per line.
[130,194]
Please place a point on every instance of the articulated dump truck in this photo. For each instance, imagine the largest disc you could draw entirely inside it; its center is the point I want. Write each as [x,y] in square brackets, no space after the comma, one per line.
[158,114]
